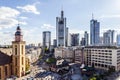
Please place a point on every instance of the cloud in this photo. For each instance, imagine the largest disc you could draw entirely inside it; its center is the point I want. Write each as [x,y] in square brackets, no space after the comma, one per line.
[47,26]
[110,16]
[23,17]
[29,8]
[8,17]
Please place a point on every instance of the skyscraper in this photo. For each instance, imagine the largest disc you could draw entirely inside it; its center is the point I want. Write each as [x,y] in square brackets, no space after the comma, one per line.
[118,40]
[86,36]
[108,37]
[74,39]
[61,30]
[82,42]
[55,43]
[46,39]
[94,32]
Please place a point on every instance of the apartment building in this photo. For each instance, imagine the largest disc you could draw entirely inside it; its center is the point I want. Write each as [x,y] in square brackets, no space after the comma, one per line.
[102,57]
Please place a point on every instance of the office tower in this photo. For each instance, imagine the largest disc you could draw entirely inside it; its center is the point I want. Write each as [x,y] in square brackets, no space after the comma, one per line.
[82,42]
[86,36]
[61,30]
[74,39]
[46,39]
[118,40]
[94,32]
[55,43]
[67,33]
[108,37]
[18,57]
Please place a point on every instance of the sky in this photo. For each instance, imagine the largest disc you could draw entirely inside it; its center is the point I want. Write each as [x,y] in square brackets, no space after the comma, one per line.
[36,16]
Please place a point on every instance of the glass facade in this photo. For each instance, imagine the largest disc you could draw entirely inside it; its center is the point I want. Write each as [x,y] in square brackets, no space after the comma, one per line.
[94,32]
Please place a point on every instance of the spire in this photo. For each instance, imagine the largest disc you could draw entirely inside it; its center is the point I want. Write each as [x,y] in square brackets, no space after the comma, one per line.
[18,27]
[92,16]
[62,12]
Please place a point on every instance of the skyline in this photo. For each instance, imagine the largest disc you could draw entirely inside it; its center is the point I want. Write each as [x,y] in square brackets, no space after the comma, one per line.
[36,16]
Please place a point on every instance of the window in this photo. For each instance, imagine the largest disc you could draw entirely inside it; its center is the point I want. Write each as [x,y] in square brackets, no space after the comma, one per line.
[22,49]
[11,69]
[15,50]
[0,73]
[16,61]
[16,71]
[22,61]
[6,71]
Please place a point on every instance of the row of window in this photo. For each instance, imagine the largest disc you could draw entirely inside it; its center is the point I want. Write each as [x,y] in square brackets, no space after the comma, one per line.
[100,50]
[6,71]
[17,51]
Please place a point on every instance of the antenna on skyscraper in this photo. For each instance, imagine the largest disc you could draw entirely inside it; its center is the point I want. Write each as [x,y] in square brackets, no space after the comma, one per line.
[92,16]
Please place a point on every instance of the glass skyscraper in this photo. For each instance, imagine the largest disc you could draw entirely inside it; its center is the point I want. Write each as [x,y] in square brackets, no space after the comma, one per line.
[74,39]
[108,37]
[46,39]
[94,32]
[61,34]
[118,40]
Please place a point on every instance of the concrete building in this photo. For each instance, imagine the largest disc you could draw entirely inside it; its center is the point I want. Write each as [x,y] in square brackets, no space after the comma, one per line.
[74,39]
[46,39]
[94,32]
[108,37]
[102,57]
[86,36]
[61,30]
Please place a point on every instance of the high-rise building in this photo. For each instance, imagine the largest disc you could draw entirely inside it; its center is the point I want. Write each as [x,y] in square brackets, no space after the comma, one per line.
[61,30]
[86,36]
[118,40]
[55,43]
[94,32]
[74,39]
[82,42]
[46,39]
[108,37]
[67,33]
[18,56]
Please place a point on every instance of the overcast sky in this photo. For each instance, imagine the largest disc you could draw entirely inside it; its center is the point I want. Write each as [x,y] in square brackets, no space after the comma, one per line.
[36,16]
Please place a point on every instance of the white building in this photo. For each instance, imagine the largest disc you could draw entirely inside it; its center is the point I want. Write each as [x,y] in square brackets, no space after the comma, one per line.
[103,57]
[65,53]
[33,54]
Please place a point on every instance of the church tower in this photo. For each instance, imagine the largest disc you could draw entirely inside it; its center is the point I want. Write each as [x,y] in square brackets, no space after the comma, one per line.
[18,58]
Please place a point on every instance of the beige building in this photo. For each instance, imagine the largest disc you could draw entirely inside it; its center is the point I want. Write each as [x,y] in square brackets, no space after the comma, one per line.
[103,57]
[13,62]
[79,55]
[65,53]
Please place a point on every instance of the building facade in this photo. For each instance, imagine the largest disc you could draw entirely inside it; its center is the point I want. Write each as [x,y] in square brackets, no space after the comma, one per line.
[79,55]
[94,32]
[103,57]
[118,40]
[108,37]
[46,39]
[74,39]
[61,30]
